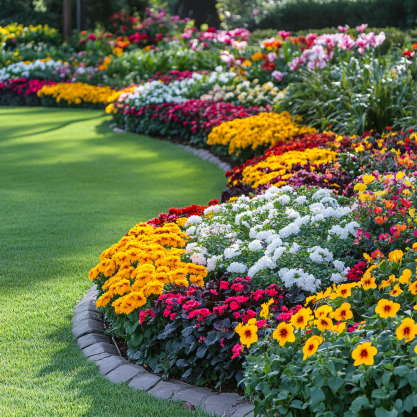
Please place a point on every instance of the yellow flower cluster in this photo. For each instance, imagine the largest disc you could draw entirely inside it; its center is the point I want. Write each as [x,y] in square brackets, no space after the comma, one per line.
[264,130]
[76,93]
[141,264]
[274,165]
[15,30]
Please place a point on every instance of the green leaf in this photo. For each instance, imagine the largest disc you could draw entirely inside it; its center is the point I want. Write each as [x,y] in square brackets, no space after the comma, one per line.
[381,412]
[317,395]
[297,404]
[335,383]
[358,403]
[401,370]
[379,393]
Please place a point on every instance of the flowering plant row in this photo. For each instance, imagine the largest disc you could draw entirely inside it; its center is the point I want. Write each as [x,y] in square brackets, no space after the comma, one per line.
[351,350]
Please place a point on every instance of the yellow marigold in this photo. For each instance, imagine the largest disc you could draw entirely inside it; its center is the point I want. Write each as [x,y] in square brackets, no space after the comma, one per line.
[76,93]
[277,165]
[310,348]
[284,333]
[264,129]
[386,308]
[407,330]
[248,333]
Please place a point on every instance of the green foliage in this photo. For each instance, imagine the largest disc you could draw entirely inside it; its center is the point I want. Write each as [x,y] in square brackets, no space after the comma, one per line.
[354,96]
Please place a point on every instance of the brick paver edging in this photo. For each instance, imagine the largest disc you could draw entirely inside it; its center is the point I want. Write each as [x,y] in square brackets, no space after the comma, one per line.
[89,330]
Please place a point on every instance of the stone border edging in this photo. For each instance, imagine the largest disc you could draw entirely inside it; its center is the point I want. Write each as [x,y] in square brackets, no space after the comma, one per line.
[88,328]
[204,154]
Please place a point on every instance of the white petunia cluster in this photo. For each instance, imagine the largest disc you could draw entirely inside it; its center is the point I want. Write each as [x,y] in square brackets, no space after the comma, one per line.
[279,236]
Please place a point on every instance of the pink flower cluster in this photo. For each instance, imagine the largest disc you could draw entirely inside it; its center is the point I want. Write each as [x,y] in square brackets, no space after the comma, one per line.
[23,86]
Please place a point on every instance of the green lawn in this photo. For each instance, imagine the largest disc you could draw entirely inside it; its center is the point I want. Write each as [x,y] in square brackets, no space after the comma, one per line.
[69,188]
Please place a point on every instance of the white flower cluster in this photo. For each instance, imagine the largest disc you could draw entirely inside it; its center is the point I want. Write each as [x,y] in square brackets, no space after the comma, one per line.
[279,236]
[156,92]
[20,69]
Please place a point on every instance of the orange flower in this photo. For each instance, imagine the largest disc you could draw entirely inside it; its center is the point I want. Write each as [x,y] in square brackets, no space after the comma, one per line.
[389,204]
[380,220]
[396,291]
[378,210]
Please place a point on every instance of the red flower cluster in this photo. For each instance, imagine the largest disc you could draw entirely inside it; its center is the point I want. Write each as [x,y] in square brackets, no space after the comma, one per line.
[174,75]
[192,120]
[24,86]
[356,272]
[175,213]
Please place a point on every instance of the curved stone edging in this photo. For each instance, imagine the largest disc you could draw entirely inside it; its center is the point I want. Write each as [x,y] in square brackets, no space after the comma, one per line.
[88,328]
[204,154]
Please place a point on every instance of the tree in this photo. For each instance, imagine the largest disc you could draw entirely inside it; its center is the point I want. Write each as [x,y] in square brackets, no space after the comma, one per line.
[202,11]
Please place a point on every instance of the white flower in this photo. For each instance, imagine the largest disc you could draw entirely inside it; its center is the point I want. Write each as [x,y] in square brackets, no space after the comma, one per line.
[255,245]
[198,258]
[237,267]
[211,263]
[339,265]
[301,200]
[337,278]
[287,231]
[232,252]
[193,220]
[278,253]
[295,248]
[190,247]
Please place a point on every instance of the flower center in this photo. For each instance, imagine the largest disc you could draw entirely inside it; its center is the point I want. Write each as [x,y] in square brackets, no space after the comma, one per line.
[284,333]
[248,333]
[300,319]
[310,347]
[407,331]
[387,308]
[364,353]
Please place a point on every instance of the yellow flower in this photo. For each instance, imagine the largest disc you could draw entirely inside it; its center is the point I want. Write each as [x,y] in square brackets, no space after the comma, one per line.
[387,282]
[318,338]
[400,175]
[323,311]
[343,312]
[310,348]
[368,282]
[301,318]
[367,257]
[340,327]
[396,291]
[323,323]
[284,333]
[407,330]
[360,187]
[265,308]
[367,179]
[395,255]
[248,333]
[405,278]
[413,288]
[387,308]
[364,354]
[344,290]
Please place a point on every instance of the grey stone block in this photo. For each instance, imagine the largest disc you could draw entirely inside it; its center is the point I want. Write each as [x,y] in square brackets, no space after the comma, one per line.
[220,404]
[107,365]
[213,159]
[100,347]
[202,153]
[145,381]
[194,396]
[92,288]
[125,373]
[86,327]
[165,390]
[87,297]
[85,315]
[99,357]
[85,306]
[245,410]
[90,339]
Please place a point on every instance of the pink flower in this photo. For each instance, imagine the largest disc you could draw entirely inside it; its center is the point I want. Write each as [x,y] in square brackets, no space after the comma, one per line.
[272,56]
[224,285]
[343,28]
[362,27]
[234,305]
[237,350]
[255,12]
[284,35]
[278,75]
[238,287]
[261,324]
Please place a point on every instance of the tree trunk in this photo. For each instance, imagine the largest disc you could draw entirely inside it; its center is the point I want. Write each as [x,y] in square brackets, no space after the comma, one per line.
[202,11]
[66,13]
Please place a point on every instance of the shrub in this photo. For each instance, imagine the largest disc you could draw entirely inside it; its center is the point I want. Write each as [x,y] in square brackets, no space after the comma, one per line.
[356,356]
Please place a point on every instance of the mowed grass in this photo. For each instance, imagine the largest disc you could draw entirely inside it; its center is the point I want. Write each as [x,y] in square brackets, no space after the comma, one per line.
[69,188]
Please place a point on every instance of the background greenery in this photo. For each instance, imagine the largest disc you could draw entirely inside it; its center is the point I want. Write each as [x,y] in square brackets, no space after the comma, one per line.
[70,188]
